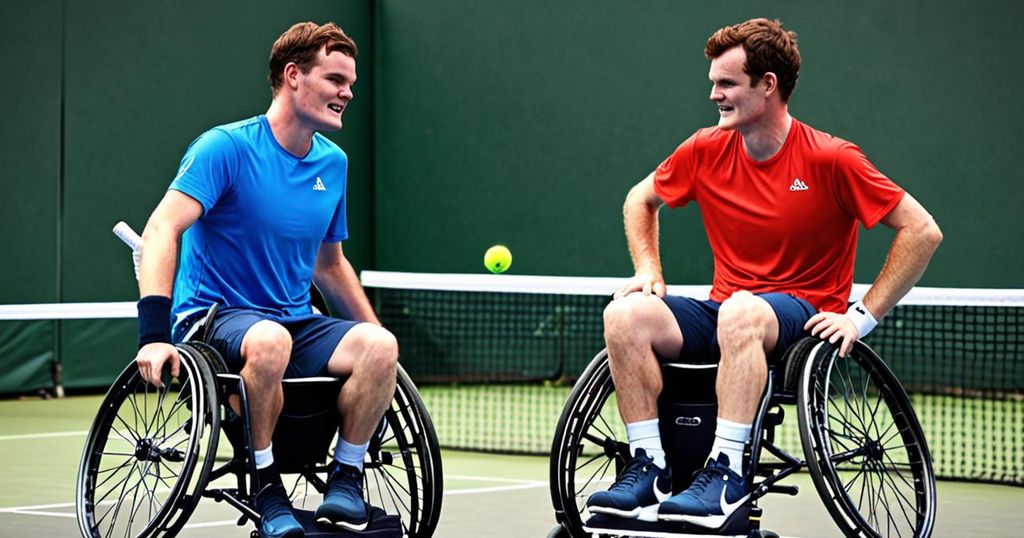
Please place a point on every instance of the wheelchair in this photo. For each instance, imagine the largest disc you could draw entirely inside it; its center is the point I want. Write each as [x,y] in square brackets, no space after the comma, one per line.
[862,445]
[152,453]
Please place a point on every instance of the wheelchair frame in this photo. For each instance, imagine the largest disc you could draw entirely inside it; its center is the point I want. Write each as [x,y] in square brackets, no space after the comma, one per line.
[834,447]
[149,455]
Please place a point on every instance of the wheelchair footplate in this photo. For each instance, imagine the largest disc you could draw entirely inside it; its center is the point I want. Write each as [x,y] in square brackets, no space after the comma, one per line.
[381,525]
[741,524]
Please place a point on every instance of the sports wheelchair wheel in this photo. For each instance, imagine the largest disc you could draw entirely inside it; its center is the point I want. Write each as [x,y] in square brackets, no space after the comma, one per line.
[138,474]
[403,474]
[588,441]
[864,446]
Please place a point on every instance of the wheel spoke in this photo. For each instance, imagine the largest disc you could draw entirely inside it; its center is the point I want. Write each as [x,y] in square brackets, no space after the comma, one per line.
[179,428]
[122,482]
[902,501]
[862,399]
[839,436]
[113,472]
[874,417]
[606,430]
[135,438]
[849,485]
[386,471]
[601,469]
[391,487]
[898,467]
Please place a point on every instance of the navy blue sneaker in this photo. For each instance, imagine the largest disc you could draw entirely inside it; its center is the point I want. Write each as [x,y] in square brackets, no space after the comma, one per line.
[276,517]
[712,497]
[343,504]
[636,493]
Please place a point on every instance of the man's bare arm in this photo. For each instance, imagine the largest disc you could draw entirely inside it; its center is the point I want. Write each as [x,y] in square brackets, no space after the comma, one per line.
[640,213]
[917,237]
[338,282]
[160,241]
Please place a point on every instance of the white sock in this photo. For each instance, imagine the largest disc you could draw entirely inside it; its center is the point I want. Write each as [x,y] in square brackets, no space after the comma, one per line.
[349,454]
[646,435]
[265,457]
[730,438]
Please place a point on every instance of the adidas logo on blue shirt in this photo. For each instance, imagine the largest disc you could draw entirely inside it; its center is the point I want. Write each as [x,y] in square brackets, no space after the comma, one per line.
[319,186]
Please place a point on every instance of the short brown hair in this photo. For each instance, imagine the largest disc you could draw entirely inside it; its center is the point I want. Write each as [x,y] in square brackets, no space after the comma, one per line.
[302,43]
[769,48]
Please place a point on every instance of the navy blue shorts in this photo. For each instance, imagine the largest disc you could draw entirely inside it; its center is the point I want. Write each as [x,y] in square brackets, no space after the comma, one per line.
[698,321]
[314,339]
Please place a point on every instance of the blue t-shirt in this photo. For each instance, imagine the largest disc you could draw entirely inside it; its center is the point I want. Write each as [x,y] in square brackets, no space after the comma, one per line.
[265,214]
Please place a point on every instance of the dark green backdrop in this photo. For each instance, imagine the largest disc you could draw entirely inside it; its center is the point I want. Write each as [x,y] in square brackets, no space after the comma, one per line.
[526,123]
[478,122]
[102,99]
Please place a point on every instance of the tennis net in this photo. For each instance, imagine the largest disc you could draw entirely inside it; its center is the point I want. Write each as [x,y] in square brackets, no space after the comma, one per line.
[495,357]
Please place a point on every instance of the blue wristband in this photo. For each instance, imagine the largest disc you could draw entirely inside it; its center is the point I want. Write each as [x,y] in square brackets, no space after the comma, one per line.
[154,320]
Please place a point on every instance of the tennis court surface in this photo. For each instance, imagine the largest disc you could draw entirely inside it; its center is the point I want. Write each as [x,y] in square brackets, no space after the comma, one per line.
[485,494]
[495,357]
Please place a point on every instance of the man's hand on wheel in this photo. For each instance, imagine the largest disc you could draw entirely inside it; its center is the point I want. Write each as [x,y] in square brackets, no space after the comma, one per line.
[151,359]
[834,328]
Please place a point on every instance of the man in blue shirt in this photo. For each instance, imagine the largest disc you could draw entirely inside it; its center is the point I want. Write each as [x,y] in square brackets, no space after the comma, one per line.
[258,212]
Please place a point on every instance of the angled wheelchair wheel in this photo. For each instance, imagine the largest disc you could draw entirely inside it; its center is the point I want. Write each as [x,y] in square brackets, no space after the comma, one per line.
[149,452]
[864,446]
[403,474]
[589,446]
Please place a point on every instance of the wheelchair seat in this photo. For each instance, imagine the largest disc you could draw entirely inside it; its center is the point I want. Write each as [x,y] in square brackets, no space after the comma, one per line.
[151,453]
[857,428]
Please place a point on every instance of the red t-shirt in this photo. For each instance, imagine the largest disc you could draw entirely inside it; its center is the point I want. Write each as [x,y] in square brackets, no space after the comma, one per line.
[787,224]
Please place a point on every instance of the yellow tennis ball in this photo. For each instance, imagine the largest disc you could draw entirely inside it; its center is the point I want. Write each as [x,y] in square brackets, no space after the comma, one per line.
[498,259]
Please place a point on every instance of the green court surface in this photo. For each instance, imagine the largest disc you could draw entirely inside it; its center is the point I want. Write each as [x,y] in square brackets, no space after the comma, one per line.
[486,495]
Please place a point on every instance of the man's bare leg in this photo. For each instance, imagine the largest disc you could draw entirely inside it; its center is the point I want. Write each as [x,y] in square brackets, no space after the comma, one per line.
[368,355]
[638,329]
[747,331]
[266,350]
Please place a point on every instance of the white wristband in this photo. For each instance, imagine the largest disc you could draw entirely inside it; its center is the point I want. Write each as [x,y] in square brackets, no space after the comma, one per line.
[861,318]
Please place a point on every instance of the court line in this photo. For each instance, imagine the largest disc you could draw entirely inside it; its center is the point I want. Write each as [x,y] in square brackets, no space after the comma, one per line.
[212,524]
[518,483]
[497,489]
[40,435]
[524,484]
[36,507]
[489,479]
[38,513]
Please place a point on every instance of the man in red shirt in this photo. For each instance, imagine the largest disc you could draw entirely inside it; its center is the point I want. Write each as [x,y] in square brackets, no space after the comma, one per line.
[781,203]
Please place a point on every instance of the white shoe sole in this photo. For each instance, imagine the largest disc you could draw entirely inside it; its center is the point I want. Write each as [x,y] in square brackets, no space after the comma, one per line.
[343,524]
[653,534]
[710,522]
[643,513]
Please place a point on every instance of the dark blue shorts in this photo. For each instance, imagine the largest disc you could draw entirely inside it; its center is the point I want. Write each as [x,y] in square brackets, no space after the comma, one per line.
[698,321]
[314,339]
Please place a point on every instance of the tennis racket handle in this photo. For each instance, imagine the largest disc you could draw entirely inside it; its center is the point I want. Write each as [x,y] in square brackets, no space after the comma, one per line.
[127,234]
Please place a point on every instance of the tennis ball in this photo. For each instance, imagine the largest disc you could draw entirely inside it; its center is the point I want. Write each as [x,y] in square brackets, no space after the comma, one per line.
[498,259]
